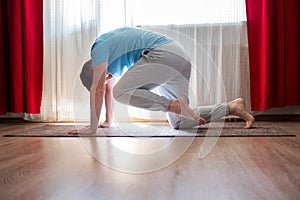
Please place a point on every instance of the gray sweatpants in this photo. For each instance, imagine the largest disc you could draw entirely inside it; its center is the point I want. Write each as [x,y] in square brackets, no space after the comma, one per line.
[168,69]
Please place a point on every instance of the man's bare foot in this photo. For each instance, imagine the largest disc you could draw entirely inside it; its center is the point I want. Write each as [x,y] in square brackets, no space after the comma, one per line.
[237,107]
[181,107]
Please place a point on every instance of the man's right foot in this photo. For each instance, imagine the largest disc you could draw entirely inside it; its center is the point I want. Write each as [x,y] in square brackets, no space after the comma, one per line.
[237,107]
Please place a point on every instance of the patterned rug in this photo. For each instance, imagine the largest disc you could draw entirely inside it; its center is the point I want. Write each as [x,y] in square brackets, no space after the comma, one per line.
[227,129]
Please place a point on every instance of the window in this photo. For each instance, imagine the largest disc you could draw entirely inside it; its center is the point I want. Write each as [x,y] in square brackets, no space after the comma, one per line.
[78,12]
[163,12]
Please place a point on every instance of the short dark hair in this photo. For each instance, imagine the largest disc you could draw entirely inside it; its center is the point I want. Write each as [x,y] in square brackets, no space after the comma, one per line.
[86,75]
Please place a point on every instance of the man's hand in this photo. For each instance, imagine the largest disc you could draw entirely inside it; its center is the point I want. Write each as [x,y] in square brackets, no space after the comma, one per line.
[87,131]
[104,124]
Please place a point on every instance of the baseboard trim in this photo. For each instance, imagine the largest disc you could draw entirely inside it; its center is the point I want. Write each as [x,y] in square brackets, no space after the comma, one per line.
[283,117]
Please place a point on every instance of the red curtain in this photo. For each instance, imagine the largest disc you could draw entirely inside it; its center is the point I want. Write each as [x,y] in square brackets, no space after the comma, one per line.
[273,35]
[21,56]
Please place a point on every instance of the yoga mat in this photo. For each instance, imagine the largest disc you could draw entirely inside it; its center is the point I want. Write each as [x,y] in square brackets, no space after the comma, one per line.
[228,129]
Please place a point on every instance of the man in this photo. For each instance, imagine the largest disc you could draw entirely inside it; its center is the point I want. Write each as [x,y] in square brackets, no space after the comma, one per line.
[146,60]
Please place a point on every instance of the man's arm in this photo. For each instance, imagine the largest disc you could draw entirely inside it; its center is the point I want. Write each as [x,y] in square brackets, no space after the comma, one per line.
[110,81]
[97,91]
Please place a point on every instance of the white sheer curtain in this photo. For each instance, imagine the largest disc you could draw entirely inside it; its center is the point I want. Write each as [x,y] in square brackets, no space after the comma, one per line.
[70,28]
[216,40]
[165,12]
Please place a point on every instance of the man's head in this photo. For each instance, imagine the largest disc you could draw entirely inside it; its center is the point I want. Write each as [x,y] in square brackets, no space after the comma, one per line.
[86,74]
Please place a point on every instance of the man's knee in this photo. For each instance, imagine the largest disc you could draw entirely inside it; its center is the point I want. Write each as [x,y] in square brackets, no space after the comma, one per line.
[173,119]
[179,122]
[121,94]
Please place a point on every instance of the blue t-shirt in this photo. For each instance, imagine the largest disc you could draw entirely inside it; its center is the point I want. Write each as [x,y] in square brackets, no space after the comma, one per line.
[123,47]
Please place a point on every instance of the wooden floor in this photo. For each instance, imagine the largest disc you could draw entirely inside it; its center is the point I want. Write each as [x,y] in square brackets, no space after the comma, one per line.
[77,168]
